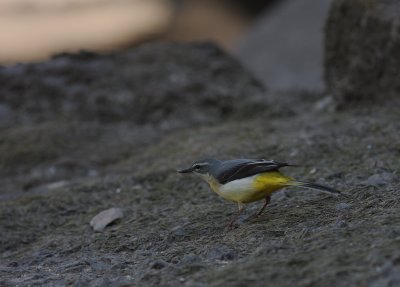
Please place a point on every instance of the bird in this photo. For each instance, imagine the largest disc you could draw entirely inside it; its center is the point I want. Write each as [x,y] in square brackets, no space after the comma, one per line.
[248,180]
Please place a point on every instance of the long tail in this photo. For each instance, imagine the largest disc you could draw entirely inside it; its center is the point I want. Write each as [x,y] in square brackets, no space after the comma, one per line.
[315,186]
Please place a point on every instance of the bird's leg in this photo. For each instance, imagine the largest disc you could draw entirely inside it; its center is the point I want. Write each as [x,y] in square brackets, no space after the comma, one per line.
[241,207]
[267,200]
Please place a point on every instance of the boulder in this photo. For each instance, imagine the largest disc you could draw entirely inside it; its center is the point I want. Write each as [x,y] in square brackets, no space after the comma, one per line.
[177,84]
[362,57]
[284,48]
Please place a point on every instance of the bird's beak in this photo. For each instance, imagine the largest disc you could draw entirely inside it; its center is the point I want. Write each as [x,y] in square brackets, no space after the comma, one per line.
[190,169]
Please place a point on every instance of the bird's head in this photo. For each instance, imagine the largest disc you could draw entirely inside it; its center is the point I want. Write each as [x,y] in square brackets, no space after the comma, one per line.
[203,168]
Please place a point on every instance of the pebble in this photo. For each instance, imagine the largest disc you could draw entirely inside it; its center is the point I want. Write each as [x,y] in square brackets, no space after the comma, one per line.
[340,224]
[379,179]
[179,231]
[5,112]
[342,206]
[104,218]
[158,264]
[325,104]
[221,252]
[189,259]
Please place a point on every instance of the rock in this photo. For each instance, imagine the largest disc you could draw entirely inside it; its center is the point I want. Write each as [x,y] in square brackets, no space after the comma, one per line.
[5,112]
[379,179]
[102,282]
[179,231]
[340,224]
[362,57]
[389,275]
[190,258]
[47,238]
[325,105]
[158,264]
[285,47]
[146,85]
[343,206]
[221,252]
[104,218]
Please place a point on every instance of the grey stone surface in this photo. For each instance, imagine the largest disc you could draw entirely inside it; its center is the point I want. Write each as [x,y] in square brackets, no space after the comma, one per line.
[64,167]
[284,48]
[362,45]
[380,179]
[169,84]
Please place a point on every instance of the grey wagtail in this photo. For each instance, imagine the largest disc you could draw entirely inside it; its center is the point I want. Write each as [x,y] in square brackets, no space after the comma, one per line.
[247,180]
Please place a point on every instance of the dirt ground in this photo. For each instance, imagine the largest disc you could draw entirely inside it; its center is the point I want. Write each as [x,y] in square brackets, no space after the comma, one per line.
[58,170]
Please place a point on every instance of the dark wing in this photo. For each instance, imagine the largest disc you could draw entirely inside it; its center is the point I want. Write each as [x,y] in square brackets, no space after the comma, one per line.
[240,168]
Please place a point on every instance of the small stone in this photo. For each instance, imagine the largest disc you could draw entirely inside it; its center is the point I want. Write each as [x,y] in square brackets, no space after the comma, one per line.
[179,231]
[342,206]
[221,252]
[379,179]
[325,104]
[189,259]
[101,266]
[57,185]
[158,264]
[313,171]
[340,224]
[5,112]
[104,218]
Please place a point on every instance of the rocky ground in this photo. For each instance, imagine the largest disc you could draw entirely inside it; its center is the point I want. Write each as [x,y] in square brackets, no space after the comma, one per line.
[64,159]
[84,133]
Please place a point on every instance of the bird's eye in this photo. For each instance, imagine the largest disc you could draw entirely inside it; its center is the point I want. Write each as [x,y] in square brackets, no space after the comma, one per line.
[197,167]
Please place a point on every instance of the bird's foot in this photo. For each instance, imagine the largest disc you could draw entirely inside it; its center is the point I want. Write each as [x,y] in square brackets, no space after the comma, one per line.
[254,216]
[231,226]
